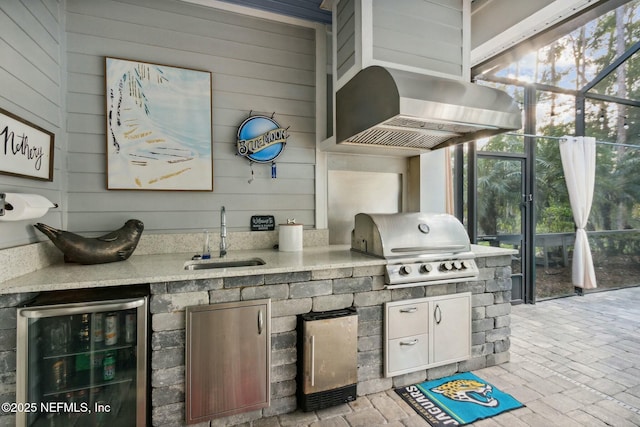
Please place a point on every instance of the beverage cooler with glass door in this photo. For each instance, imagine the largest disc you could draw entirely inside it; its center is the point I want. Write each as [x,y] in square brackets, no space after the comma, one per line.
[82,363]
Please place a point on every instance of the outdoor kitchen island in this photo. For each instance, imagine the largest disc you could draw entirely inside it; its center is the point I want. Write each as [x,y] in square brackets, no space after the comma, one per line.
[318,279]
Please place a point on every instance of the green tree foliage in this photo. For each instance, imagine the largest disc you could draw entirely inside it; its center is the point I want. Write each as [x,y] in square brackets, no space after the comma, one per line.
[571,63]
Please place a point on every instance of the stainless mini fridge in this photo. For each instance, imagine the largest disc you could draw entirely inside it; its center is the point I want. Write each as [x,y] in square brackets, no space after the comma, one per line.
[327,358]
[82,363]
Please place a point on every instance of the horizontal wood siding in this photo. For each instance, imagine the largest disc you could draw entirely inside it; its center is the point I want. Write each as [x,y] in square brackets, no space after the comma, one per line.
[256,64]
[425,34]
[30,82]
[346,37]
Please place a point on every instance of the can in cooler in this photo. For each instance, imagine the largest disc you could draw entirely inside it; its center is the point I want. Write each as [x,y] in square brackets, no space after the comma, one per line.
[130,327]
[111,329]
[109,367]
[97,326]
[59,374]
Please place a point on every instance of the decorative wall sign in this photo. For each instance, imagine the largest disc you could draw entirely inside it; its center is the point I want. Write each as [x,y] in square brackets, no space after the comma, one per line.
[261,139]
[158,127]
[263,223]
[26,150]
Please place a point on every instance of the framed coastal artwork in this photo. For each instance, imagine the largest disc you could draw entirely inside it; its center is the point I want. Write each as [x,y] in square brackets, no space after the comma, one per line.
[26,150]
[159,133]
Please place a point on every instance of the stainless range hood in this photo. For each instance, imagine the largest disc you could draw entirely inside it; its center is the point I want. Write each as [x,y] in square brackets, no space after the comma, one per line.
[399,109]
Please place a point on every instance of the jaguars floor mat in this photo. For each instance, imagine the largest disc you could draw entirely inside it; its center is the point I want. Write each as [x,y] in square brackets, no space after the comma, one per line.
[457,400]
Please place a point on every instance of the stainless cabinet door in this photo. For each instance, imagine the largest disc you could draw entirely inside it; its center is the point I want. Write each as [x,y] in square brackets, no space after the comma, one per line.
[451,320]
[228,359]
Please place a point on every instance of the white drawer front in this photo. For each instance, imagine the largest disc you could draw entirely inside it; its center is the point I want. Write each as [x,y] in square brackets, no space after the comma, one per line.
[407,353]
[408,319]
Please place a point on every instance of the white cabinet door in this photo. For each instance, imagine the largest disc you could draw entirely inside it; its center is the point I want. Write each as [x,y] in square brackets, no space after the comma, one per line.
[450,329]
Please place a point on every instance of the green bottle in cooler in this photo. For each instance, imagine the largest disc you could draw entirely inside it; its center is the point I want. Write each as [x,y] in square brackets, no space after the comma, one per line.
[109,367]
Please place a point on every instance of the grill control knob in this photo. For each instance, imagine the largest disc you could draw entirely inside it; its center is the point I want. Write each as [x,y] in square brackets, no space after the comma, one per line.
[457,265]
[425,268]
[405,270]
[463,264]
[446,266]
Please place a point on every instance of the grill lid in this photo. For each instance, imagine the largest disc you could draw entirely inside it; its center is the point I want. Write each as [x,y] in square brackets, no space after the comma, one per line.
[408,235]
[420,248]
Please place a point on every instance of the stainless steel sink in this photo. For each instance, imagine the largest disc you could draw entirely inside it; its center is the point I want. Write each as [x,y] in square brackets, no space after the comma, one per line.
[223,263]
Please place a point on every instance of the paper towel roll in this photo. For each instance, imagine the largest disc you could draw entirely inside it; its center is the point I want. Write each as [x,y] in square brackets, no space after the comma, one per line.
[20,206]
[290,237]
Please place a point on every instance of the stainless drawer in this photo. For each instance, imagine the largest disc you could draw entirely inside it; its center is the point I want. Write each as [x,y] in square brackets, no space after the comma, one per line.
[407,353]
[407,319]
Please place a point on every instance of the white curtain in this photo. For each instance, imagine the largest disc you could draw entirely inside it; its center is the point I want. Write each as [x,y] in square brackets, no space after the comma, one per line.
[579,163]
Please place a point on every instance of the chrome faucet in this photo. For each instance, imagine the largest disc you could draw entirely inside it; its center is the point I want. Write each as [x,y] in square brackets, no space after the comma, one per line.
[223,232]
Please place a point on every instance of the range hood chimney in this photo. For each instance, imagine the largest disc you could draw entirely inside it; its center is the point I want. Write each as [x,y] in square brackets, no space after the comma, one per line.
[400,109]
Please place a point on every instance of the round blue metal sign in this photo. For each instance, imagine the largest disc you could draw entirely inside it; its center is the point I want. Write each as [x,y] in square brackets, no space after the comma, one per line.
[261,139]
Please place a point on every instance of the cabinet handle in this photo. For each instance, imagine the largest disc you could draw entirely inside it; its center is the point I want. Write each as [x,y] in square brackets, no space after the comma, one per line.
[437,314]
[260,322]
[412,342]
[409,310]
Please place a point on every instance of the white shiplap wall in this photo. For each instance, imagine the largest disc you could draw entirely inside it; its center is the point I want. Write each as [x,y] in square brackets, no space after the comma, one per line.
[345,37]
[257,64]
[31,87]
[425,35]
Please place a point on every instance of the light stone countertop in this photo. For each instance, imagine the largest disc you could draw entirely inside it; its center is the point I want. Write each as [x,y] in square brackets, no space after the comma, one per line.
[170,268]
[490,251]
[141,269]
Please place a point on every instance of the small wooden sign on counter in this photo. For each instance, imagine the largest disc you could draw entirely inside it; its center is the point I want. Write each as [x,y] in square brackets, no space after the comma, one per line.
[263,223]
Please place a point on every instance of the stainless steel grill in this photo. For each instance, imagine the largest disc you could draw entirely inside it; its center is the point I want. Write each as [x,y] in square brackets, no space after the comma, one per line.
[420,248]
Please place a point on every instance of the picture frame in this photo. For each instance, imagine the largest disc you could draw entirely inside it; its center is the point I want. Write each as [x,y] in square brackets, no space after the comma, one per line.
[159,127]
[26,149]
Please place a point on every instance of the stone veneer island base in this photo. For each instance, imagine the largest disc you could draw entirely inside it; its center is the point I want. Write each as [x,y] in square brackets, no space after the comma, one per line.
[294,293]
[321,290]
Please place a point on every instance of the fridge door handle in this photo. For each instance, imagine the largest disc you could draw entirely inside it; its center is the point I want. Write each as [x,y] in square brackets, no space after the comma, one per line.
[260,322]
[313,361]
[79,308]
